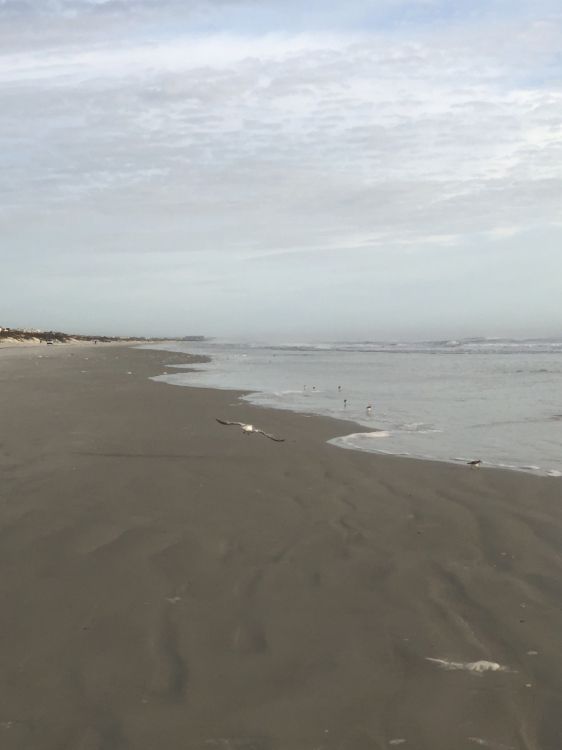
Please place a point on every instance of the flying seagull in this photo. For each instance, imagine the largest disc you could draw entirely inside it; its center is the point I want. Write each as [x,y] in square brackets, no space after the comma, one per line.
[476,463]
[249,429]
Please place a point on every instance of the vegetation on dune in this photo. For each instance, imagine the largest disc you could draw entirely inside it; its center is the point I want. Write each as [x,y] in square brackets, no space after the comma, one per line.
[19,334]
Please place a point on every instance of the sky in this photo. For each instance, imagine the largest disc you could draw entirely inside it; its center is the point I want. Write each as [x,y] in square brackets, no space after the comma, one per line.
[269,169]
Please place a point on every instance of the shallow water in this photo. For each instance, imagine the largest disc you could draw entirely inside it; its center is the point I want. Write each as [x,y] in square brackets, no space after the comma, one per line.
[500,401]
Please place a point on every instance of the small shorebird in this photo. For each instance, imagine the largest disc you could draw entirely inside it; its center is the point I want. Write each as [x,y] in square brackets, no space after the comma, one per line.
[476,463]
[249,429]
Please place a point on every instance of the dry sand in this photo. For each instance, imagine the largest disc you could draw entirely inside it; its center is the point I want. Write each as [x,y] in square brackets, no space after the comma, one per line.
[168,583]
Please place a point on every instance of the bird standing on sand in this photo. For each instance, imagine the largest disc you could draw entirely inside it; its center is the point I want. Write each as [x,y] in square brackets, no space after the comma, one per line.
[249,429]
[476,463]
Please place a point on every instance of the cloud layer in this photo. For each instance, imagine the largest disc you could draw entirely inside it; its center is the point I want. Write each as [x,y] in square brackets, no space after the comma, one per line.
[230,150]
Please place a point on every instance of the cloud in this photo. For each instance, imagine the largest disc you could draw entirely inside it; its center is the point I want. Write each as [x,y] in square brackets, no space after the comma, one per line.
[212,149]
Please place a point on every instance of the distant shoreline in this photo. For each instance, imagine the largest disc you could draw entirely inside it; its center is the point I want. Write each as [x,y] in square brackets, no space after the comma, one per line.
[20,336]
[31,346]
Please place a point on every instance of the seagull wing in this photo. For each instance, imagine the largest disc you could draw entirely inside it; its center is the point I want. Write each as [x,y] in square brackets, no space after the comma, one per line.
[271,437]
[238,424]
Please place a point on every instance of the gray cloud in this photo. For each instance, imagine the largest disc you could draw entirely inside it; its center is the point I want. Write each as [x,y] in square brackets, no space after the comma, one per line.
[204,158]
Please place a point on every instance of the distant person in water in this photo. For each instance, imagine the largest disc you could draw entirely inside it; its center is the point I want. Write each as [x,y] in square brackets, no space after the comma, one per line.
[369,410]
[345,403]
[313,387]
[339,387]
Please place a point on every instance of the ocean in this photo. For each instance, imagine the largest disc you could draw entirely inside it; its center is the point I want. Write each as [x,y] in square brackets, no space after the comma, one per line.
[499,400]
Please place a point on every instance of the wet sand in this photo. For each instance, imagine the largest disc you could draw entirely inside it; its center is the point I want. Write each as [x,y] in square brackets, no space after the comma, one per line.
[166,582]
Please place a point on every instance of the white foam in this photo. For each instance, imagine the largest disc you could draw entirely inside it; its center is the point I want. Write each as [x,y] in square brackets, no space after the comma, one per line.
[472,666]
[355,439]
[421,428]
[488,743]
[554,473]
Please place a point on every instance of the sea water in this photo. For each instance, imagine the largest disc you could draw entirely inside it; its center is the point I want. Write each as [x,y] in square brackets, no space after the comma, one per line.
[497,400]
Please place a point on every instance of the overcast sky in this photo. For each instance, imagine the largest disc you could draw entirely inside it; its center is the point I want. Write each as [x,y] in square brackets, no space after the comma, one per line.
[354,169]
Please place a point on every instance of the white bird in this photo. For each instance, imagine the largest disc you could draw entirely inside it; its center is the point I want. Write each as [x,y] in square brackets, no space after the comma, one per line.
[249,429]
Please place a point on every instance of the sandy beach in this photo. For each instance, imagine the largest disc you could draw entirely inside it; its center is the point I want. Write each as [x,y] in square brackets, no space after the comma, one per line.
[166,582]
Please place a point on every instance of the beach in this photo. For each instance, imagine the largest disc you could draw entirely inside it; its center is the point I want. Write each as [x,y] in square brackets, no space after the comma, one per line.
[166,581]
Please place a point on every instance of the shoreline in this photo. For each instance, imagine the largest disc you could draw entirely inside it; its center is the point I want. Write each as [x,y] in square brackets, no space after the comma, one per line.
[24,348]
[339,440]
[165,580]
[330,422]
